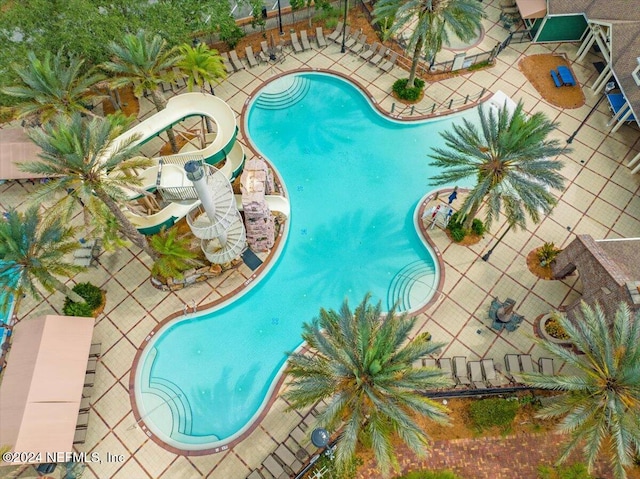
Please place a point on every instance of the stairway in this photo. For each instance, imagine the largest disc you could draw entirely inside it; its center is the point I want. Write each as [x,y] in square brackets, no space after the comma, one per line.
[411,285]
[223,237]
[283,92]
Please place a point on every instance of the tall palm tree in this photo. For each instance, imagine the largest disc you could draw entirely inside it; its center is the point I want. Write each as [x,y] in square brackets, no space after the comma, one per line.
[81,157]
[511,160]
[361,363]
[601,404]
[429,17]
[200,65]
[145,62]
[33,249]
[56,84]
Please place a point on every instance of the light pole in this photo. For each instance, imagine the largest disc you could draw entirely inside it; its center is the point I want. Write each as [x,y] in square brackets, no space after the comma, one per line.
[487,255]
[280,19]
[608,87]
[344,28]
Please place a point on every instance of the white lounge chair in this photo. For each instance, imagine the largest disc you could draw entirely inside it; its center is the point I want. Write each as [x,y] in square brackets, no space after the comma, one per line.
[546,366]
[225,62]
[366,54]
[235,61]
[475,374]
[460,370]
[512,366]
[332,37]
[526,363]
[387,65]
[377,58]
[489,372]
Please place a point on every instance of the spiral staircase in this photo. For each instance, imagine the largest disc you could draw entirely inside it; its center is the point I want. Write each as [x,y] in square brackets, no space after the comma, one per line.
[222,234]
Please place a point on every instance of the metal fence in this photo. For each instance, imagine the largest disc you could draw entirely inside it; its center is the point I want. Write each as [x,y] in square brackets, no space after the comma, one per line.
[452,104]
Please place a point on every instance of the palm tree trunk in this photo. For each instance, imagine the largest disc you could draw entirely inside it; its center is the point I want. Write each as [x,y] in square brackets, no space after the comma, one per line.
[468,220]
[125,225]
[67,291]
[414,63]
[160,103]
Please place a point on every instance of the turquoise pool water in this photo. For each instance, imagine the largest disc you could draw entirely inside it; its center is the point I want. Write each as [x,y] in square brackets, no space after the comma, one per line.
[6,301]
[354,179]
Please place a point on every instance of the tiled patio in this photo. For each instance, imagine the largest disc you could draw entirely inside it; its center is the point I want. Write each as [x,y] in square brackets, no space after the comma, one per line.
[600,199]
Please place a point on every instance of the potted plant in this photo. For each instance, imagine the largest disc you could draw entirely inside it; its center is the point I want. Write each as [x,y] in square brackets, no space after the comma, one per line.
[547,253]
[540,259]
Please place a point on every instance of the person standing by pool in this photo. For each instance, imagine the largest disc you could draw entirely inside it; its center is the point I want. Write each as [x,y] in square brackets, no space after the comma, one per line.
[453,195]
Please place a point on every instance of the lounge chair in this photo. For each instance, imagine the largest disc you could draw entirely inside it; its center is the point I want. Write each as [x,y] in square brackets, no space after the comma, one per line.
[251,59]
[445,366]
[83,419]
[351,41]
[255,475]
[546,366]
[320,38]
[235,61]
[274,468]
[526,364]
[304,40]
[377,58]
[460,370]
[360,44]
[288,459]
[429,363]
[295,44]
[365,55]
[336,33]
[225,62]
[489,372]
[346,31]
[475,374]
[80,436]
[512,366]
[387,65]
[91,365]
[95,350]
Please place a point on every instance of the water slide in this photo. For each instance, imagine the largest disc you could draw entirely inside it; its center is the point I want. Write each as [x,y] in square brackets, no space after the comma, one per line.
[274,202]
[220,145]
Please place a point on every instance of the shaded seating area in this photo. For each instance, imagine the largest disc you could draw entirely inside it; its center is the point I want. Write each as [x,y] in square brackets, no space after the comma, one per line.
[42,408]
[503,316]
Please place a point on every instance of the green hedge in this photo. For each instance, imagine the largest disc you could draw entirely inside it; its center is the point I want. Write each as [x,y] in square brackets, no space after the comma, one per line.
[486,413]
[575,471]
[430,475]
[409,94]
[91,294]
[458,232]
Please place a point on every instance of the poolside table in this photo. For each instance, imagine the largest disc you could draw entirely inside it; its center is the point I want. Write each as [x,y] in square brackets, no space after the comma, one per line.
[566,76]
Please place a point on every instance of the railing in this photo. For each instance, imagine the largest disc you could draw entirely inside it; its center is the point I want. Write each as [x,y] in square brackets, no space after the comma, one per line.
[400,110]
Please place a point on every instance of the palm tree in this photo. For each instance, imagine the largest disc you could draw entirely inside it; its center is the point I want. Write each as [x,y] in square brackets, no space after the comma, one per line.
[463,17]
[510,157]
[81,157]
[200,65]
[601,404]
[145,62]
[361,363]
[33,250]
[175,255]
[53,85]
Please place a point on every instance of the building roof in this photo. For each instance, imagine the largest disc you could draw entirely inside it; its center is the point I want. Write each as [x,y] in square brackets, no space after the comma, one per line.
[42,385]
[597,9]
[624,253]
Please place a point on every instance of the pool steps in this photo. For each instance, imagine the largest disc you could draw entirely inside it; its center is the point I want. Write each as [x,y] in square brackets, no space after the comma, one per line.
[285,98]
[404,282]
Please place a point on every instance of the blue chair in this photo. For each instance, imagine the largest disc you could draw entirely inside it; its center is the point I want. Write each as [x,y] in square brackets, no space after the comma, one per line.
[498,325]
[511,326]
[556,79]
[493,309]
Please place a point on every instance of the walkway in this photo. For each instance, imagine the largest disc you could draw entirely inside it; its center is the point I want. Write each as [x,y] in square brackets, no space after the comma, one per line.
[487,458]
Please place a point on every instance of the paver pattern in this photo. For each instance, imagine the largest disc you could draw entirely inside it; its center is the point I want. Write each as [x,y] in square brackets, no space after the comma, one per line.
[601,199]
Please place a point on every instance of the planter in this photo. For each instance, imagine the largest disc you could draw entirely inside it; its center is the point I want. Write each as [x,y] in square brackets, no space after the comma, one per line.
[534,266]
[542,331]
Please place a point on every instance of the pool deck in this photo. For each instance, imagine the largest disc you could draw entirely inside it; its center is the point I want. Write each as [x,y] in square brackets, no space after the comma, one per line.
[601,199]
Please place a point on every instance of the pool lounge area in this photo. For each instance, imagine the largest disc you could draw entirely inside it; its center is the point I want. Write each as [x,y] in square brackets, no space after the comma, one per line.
[600,199]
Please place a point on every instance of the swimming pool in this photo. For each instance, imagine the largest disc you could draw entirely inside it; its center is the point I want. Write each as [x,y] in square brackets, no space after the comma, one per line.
[354,179]
[7,302]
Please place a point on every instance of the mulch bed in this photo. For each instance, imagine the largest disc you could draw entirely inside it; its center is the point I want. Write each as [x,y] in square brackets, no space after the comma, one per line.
[537,69]
[533,263]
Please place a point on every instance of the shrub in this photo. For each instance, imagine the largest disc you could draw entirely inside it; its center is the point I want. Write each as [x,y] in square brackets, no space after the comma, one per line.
[457,234]
[575,471]
[487,413]
[92,296]
[409,94]
[477,227]
[552,326]
[430,475]
[547,253]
